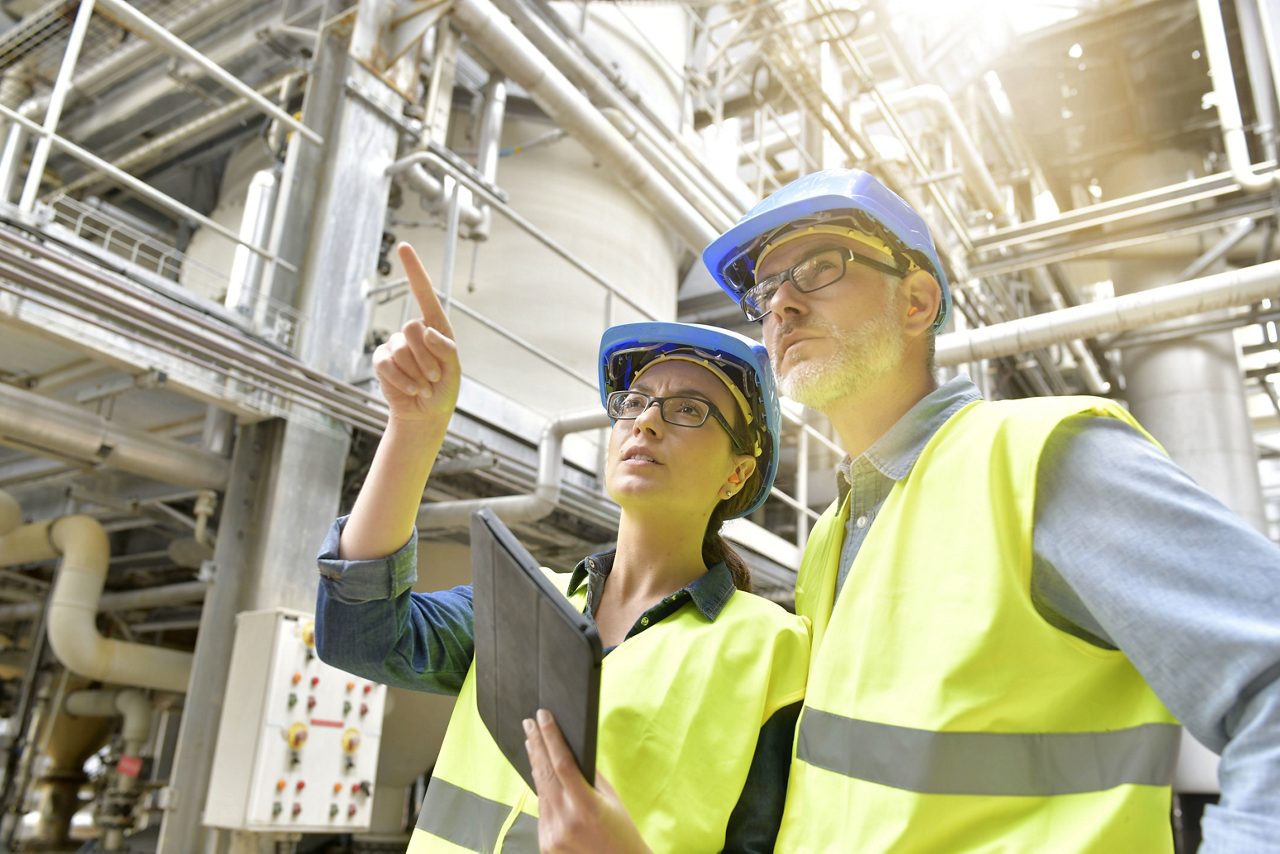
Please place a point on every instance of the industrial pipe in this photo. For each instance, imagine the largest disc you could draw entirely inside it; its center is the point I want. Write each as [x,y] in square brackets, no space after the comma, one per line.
[934,97]
[1089,371]
[652,151]
[184,593]
[519,508]
[436,193]
[1119,314]
[604,86]
[516,57]
[60,430]
[135,708]
[489,148]
[73,606]
[1228,102]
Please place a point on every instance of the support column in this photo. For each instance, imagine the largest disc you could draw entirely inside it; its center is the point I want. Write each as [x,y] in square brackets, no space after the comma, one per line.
[288,474]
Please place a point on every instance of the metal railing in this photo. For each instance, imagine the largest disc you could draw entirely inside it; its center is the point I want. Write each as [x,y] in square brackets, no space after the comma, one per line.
[278,323]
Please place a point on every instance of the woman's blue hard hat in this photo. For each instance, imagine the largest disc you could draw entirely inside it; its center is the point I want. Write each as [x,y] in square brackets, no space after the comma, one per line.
[627,348]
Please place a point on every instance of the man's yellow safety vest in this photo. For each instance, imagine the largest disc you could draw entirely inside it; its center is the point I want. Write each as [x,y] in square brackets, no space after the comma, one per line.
[943,712]
[681,707]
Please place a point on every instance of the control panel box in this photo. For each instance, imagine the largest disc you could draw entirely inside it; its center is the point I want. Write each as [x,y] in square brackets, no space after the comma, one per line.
[297,746]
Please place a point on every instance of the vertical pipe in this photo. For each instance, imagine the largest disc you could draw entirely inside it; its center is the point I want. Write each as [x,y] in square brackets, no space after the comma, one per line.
[1257,65]
[495,105]
[1228,101]
[450,244]
[244,291]
[61,86]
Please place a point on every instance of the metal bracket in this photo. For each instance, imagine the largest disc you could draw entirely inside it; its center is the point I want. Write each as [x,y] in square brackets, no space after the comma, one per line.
[407,25]
[360,93]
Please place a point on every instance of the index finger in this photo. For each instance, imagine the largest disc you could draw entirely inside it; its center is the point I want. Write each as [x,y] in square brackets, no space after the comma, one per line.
[423,293]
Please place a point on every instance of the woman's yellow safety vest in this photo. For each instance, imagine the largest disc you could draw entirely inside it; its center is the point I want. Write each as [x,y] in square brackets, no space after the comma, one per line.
[681,707]
[943,712]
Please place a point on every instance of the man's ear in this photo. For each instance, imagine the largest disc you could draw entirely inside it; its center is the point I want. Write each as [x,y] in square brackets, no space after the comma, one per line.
[923,299]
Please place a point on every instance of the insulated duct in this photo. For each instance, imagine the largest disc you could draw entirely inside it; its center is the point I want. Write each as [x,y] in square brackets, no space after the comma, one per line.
[37,423]
[81,542]
[1119,314]
[519,508]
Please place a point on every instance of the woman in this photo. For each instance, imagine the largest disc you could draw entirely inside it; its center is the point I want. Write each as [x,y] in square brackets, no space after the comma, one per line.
[701,680]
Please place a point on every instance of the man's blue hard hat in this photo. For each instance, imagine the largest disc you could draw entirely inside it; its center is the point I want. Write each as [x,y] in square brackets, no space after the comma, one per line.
[627,348]
[833,194]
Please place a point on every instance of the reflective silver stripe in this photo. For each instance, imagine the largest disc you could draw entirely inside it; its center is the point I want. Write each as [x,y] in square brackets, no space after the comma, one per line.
[522,838]
[471,821]
[981,763]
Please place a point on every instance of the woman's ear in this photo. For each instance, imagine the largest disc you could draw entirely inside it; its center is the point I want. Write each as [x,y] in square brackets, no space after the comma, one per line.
[744,467]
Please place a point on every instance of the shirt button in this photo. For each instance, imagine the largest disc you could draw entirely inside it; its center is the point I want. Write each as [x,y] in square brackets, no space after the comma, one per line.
[861,522]
[644,621]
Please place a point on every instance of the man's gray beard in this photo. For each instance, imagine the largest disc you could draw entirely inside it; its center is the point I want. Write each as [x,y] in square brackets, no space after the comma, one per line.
[862,357]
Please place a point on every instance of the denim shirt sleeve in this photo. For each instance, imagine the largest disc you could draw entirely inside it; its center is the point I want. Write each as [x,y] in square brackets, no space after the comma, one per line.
[1188,591]
[370,622]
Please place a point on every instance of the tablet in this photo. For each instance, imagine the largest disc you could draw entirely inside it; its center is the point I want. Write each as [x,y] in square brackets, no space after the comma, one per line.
[533,649]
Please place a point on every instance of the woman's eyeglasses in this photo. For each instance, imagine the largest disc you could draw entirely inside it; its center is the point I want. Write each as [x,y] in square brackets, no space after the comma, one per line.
[681,411]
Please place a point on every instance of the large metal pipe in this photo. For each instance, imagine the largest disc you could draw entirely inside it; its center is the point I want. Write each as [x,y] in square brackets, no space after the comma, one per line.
[1119,314]
[495,36]
[604,85]
[652,152]
[519,508]
[1228,102]
[57,429]
[1089,371]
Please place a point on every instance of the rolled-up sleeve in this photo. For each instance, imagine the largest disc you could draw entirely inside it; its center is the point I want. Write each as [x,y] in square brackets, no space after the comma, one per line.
[370,622]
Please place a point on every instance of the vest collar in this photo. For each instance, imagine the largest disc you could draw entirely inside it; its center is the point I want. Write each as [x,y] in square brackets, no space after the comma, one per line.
[709,592]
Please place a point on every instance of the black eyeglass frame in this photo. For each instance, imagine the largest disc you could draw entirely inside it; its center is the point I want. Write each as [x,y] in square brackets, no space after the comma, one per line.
[650,399]
[777,279]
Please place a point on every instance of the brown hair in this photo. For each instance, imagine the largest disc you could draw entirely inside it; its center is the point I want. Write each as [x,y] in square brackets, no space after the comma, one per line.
[714,546]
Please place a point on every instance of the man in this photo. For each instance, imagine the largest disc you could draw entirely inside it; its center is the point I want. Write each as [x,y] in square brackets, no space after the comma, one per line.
[1012,602]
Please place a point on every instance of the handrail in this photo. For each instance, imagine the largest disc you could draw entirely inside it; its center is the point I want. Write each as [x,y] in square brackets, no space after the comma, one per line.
[139,186]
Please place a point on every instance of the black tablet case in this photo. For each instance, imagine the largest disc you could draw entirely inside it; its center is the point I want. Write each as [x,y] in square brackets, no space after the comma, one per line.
[533,649]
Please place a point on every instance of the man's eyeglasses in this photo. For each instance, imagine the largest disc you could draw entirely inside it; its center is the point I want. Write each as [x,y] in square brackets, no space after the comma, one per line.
[680,411]
[812,274]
